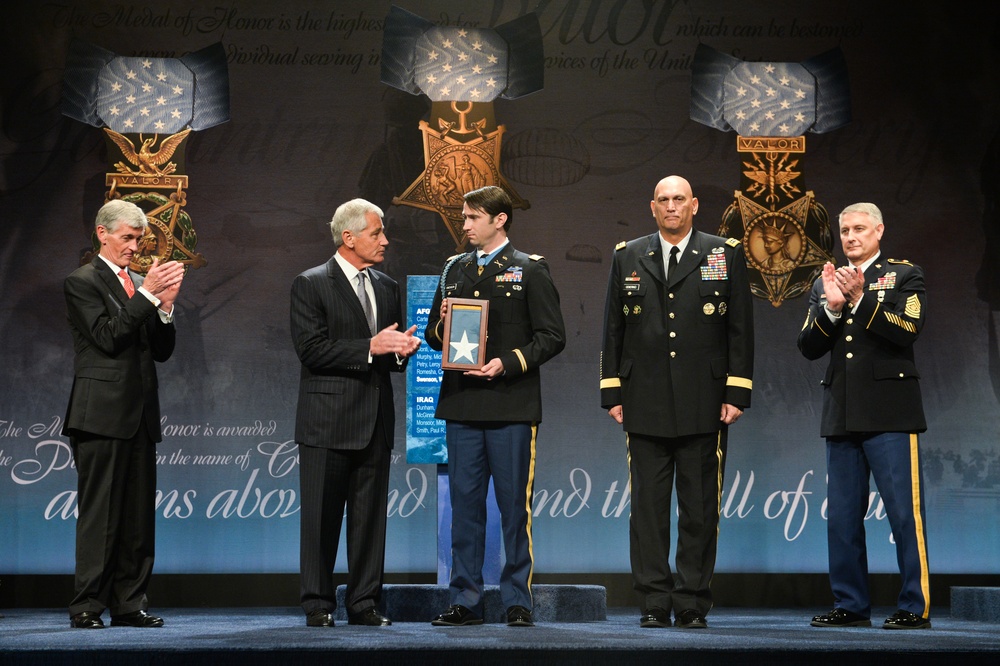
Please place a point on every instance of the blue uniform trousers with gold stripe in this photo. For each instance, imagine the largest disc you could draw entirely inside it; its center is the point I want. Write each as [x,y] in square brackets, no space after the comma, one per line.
[892,459]
[476,451]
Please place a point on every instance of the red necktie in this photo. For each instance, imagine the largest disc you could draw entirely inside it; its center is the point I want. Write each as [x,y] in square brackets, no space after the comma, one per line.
[129,287]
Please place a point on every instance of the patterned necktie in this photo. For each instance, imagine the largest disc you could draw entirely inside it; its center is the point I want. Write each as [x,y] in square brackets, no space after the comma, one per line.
[366,303]
[129,287]
[672,263]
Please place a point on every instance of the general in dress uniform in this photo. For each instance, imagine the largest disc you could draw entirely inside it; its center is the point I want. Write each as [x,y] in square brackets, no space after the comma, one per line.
[676,371]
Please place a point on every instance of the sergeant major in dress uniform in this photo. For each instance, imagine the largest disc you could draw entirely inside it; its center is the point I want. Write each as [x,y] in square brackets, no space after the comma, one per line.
[866,316]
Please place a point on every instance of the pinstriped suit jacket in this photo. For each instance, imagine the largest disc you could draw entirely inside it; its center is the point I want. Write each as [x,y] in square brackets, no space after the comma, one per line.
[340,392]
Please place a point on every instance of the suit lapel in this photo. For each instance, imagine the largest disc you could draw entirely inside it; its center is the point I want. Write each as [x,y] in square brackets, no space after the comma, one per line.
[498,264]
[689,259]
[343,287]
[875,271]
[652,259]
[467,265]
[382,304]
[111,280]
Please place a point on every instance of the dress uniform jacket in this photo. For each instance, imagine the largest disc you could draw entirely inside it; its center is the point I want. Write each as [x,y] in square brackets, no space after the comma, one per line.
[674,353]
[871,383]
[525,329]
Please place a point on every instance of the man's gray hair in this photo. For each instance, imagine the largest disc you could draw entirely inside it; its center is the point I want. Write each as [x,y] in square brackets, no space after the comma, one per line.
[117,211]
[352,216]
[869,209]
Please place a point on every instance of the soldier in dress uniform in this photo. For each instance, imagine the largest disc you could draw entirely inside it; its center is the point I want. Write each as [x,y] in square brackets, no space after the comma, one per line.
[676,372]
[492,413]
[866,316]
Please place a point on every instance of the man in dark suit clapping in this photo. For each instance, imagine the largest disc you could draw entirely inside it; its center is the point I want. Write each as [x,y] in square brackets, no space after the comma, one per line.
[122,324]
[345,322]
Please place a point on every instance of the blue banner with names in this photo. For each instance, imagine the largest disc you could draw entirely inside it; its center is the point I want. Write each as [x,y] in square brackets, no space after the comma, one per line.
[425,442]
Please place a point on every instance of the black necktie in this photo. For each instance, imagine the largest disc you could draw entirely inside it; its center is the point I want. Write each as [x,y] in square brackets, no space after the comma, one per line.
[366,303]
[672,263]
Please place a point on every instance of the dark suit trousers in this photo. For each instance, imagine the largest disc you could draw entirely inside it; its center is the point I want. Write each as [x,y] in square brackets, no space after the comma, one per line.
[696,464]
[116,527]
[330,479]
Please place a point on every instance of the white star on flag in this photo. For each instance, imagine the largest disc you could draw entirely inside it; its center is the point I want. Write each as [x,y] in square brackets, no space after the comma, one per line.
[464,348]
[769,99]
[132,95]
[461,63]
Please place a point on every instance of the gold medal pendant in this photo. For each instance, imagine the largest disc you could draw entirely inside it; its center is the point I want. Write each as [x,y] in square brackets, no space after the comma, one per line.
[785,232]
[152,178]
[461,155]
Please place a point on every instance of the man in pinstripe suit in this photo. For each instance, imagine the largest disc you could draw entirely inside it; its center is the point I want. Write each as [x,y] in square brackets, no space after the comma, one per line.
[345,322]
[866,316]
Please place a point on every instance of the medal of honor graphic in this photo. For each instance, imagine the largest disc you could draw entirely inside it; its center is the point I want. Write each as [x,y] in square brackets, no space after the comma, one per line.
[148,108]
[461,70]
[785,232]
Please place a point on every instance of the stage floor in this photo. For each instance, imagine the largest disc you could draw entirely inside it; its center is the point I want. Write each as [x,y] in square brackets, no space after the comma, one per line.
[278,635]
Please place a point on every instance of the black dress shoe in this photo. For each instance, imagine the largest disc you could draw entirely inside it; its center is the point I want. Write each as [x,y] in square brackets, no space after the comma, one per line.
[902,619]
[319,618]
[139,618]
[456,616]
[690,619]
[839,617]
[655,617]
[369,617]
[86,620]
[519,616]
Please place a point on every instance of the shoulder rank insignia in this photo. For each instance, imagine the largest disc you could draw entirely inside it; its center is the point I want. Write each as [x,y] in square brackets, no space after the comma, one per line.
[899,261]
[535,257]
[732,242]
[620,245]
